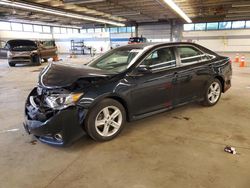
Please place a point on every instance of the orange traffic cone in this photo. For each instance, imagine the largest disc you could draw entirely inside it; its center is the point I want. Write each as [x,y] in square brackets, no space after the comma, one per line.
[242,61]
[237,58]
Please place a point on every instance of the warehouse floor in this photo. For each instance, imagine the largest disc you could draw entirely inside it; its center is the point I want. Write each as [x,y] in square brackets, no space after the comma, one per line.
[180,148]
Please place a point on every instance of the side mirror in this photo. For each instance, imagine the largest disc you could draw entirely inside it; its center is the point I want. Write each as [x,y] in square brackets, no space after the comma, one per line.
[143,69]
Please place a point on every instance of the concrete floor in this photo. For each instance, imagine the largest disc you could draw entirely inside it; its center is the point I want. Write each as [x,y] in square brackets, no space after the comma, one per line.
[179,148]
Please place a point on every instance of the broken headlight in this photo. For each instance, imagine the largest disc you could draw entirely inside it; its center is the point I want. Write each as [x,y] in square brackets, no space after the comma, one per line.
[62,101]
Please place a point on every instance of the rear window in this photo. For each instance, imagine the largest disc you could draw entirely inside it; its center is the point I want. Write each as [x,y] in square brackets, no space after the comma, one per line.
[189,54]
[48,43]
[186,52]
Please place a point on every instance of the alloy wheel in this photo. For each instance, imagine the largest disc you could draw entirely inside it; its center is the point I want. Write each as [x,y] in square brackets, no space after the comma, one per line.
[214,92]
[108,121]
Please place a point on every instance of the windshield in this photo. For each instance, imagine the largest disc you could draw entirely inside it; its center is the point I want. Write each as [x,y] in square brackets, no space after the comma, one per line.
[116,60]
[21,45]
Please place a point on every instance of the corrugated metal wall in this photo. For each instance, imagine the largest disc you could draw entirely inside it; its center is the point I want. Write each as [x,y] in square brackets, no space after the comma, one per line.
[120,39]
[155,32]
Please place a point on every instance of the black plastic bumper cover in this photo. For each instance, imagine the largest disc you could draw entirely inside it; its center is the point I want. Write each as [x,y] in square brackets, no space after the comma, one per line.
[66,123]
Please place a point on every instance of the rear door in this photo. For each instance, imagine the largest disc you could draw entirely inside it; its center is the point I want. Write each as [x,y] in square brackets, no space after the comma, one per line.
[154,90]
[192,73]
[47,49]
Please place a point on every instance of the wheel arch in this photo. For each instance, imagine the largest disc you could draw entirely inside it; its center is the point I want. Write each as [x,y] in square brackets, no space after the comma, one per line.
[222,81]
[117,98]
[123,103]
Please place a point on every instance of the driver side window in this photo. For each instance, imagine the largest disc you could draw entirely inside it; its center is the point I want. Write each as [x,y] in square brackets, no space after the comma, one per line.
[160,59]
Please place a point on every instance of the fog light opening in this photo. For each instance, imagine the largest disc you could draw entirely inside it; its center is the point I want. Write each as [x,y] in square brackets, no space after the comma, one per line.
[58,137]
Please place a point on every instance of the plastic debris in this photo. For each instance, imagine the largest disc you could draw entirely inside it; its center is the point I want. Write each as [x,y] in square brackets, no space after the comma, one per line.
[230,149]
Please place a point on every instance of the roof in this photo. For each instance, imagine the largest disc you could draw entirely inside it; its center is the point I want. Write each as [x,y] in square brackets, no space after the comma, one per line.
[142,45]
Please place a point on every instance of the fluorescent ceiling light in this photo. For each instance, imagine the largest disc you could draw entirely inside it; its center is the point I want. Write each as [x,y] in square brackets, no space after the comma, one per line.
[127,13]
[83,1]
[56,12]
[178,10]
[240,5]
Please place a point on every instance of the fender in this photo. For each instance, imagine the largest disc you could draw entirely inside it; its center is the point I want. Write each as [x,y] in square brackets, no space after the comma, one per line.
[89,103]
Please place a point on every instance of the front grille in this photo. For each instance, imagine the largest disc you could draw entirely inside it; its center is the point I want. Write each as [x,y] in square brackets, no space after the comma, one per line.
[21,57]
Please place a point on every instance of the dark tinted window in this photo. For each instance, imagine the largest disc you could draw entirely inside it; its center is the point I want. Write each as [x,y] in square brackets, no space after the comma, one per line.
[160,59]
[50,43]
[137,39]
[190,54]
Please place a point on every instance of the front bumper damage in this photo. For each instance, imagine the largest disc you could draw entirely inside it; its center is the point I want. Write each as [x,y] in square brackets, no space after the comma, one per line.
[56,127]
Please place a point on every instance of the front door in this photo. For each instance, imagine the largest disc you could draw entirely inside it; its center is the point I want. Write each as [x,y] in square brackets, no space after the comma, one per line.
[154,90]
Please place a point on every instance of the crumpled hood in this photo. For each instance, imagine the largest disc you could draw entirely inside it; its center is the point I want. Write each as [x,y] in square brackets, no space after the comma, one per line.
[64,74]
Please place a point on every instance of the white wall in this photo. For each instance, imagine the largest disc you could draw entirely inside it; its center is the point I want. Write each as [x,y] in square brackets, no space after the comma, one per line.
[221,41]
[7,35]
[63,41]
[99,41]
[120,39]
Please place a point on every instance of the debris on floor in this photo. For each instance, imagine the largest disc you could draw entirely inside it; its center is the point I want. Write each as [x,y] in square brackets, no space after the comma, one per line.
[180,118]
[33,142]
[186,118]
[37,70]
[230,149]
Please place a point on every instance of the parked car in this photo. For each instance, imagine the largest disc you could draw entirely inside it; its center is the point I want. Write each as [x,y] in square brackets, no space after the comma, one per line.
[137,40]
[3,50]
[125,84]
[29,52]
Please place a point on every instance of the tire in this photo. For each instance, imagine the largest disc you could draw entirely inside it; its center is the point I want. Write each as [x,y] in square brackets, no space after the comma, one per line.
[45,60]
[99,123]
[37,60]
[212,93]
[12,64]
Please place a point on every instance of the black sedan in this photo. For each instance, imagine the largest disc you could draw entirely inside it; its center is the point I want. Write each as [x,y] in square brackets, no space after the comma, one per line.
[125,84]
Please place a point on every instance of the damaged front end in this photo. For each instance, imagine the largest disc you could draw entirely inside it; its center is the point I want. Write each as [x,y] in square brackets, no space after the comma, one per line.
[53,116]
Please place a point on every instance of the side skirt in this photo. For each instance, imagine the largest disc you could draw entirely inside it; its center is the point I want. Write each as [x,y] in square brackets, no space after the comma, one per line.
[134,118]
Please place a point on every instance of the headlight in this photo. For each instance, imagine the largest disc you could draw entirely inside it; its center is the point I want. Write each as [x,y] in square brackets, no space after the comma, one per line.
[61,101]
[33,52]
[9,54]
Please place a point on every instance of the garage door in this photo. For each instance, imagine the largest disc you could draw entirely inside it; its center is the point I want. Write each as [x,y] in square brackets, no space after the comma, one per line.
[155,33]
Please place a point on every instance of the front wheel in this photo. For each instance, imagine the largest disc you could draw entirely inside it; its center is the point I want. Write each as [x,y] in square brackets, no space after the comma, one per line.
[45,60]
[106,120]
[12,64]
[212,93]
[37,60]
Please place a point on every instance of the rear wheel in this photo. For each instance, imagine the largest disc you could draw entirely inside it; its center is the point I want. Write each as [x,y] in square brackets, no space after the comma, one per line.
[106,120]
[12,64]
[212,93]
